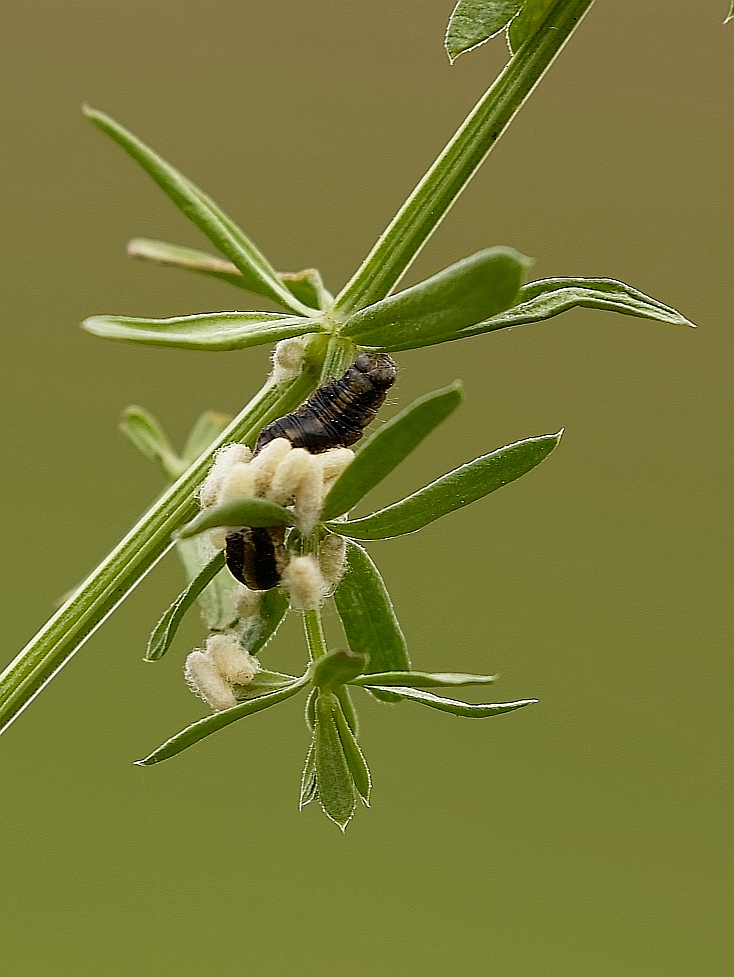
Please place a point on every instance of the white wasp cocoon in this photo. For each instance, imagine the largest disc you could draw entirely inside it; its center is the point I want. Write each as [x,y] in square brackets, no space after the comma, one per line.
[233,663]
[333,463]
[227,456]
[305,583]
[267,461]
[205,679]
[333,558]
[238,481]
[288,358]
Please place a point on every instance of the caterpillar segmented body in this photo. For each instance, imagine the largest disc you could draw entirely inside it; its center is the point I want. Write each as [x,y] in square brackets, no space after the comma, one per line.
[335,416]
[256,556]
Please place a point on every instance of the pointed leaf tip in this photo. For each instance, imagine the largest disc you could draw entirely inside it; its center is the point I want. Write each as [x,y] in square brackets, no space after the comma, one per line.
[335,784]
[468,710]
[258,274]
[452,491]
[549,297]
[211,724]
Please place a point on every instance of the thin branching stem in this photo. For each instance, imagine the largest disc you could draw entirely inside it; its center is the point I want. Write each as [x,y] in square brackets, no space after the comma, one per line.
[431,200]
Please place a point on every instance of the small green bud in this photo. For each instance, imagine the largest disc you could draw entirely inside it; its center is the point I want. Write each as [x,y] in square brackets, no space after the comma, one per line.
[338,668]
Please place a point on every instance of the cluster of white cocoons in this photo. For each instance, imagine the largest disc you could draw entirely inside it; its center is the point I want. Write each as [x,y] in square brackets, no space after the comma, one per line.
[212,673]
[291,477]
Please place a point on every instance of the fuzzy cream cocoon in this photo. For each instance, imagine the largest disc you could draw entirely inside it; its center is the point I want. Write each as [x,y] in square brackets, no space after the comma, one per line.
[205,679]
[227,456]
[234,664]
[333,558]
[333,463]
[305,583]
[288,358]
[266,463]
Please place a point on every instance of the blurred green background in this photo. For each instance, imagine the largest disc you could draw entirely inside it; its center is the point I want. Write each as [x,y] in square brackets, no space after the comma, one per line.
[589,835]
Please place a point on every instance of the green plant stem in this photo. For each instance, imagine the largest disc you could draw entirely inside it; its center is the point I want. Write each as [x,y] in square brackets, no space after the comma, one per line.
[315,637]
[431,200]
[136,554]
[340,354]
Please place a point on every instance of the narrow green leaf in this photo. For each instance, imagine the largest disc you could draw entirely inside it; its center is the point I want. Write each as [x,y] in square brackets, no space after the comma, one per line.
[338,667]
[474,21]
[187,259]
[310,710]
[367,615]
[335,784]
[305,285]
[263,683]
[216,601]
[355,758]
[260,628]
[437,309]
[147,436]
[469,710]
[551,296]
[350,713]
[730,15]
[452,491]
[309,790]
[165,630]
[529,21]
[204,433]
[213,331]
[259,275]
[423,680]
[388,446]
[211,724]
[249,510]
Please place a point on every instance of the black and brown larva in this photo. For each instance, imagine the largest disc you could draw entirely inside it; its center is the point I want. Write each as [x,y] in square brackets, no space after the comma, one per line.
[334,416]
[257,556]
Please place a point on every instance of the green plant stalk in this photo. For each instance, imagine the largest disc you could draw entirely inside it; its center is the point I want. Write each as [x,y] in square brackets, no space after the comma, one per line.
[431,200]
[315,637]
[150,538]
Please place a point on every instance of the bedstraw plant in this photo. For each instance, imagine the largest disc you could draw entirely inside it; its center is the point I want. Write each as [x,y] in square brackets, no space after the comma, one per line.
[296,501]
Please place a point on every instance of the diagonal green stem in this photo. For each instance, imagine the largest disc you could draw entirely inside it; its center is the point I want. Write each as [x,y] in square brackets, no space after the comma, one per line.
[138,552]
[431,200]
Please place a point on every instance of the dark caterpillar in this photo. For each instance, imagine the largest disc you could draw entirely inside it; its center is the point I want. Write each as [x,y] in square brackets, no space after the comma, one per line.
[335,416]
[257,557]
